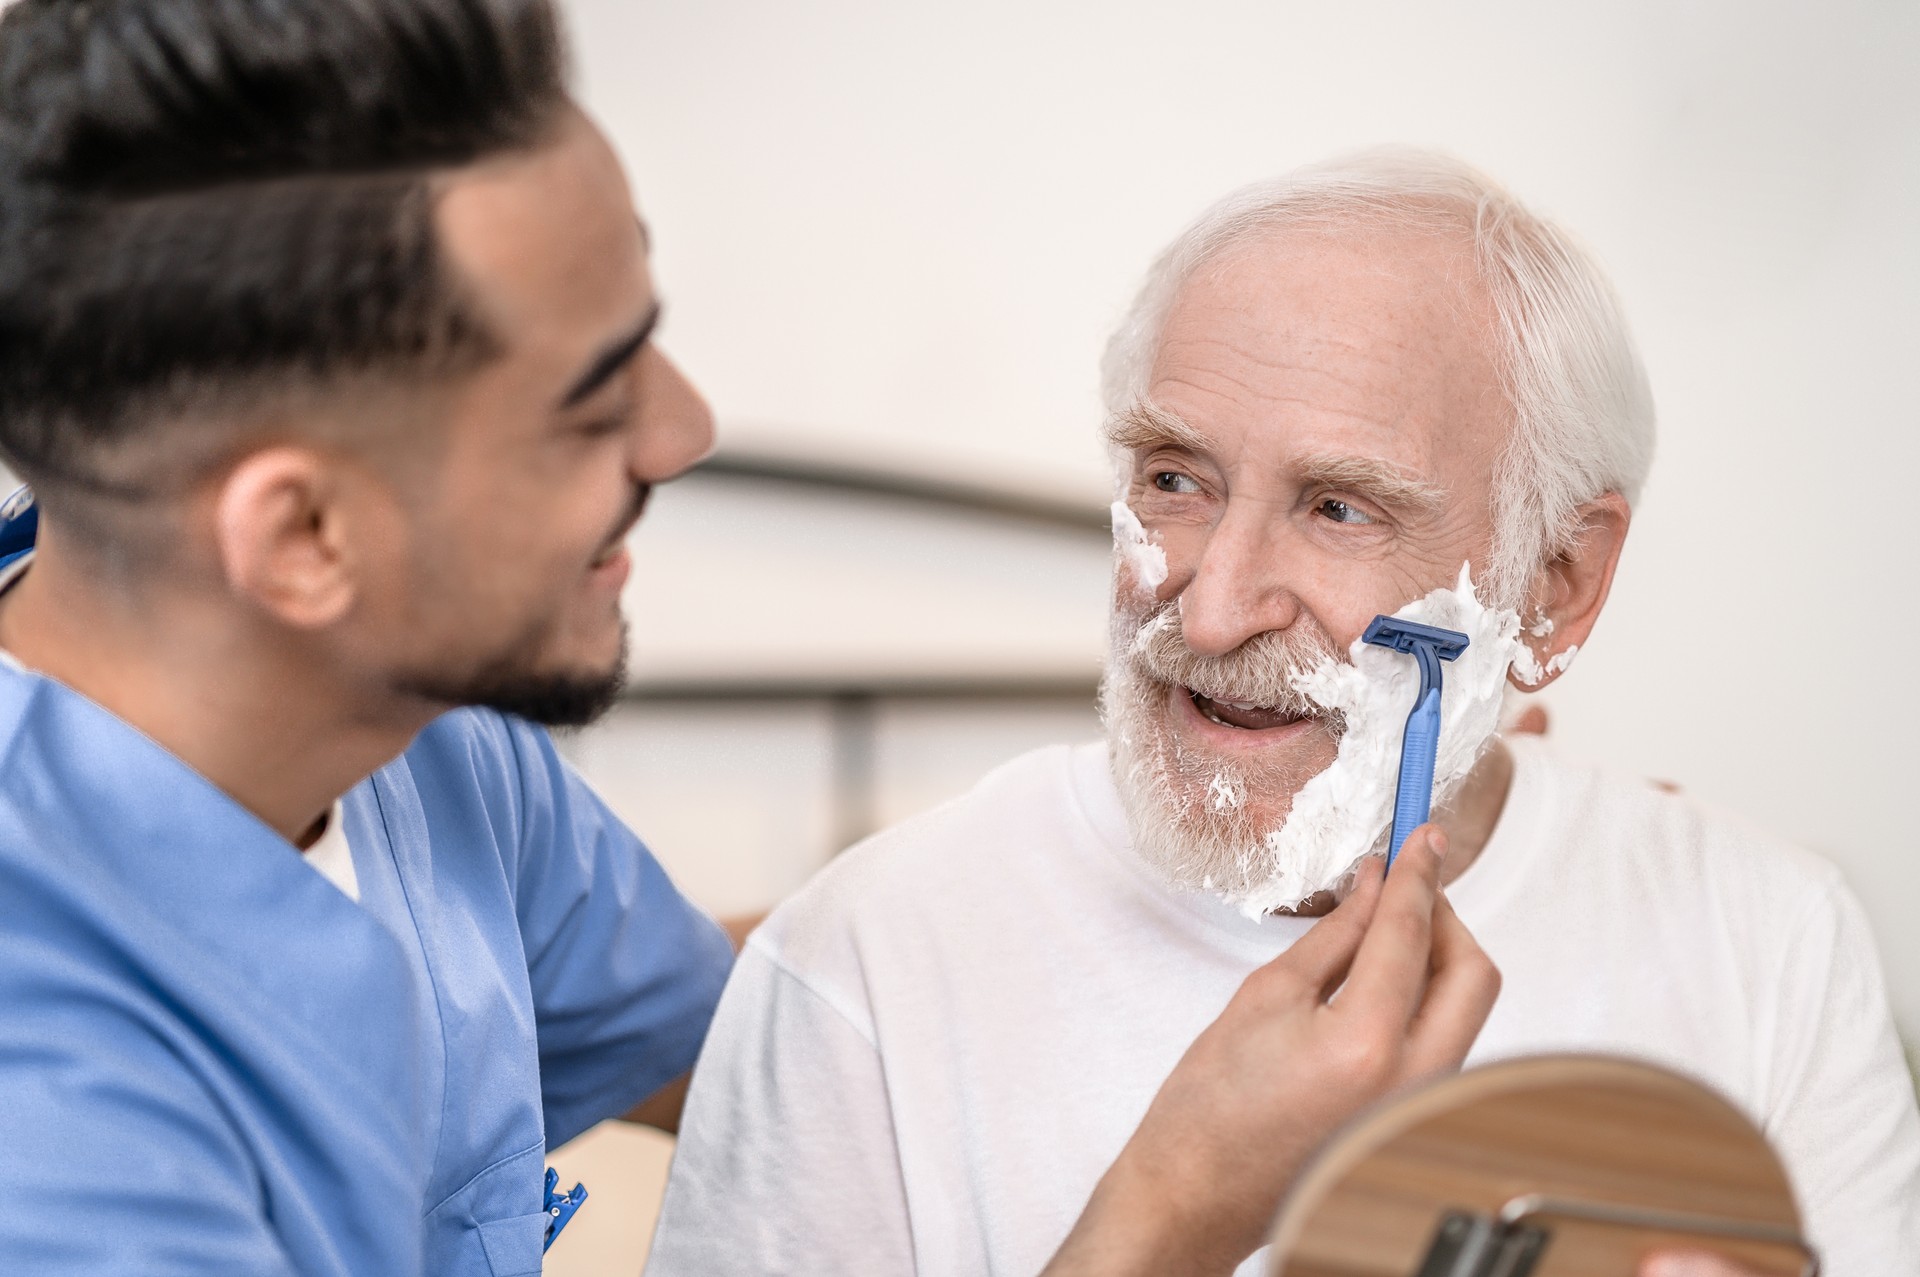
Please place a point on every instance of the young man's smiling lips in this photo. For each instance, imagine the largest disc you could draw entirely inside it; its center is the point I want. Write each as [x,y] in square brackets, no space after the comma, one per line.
[611,566]
[1234,724]
[609,571]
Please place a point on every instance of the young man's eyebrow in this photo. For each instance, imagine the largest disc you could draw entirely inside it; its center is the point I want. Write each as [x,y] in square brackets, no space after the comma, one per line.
[1146,426]
[1379,480]
[612,359]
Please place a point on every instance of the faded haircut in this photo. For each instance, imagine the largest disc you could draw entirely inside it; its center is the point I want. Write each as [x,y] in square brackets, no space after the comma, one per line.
[1583,418]
[204,201]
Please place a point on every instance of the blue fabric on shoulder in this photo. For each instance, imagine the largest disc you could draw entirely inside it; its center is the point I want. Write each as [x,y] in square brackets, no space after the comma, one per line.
[230,1066]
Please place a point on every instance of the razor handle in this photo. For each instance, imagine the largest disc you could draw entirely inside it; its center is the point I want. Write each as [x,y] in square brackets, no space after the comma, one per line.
[1419,748]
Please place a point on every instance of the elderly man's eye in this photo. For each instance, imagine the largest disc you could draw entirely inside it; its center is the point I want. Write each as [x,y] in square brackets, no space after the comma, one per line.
[1341,512]
[1174,481]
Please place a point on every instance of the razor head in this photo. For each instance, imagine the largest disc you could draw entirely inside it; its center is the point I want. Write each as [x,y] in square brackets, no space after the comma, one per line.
[1411,636]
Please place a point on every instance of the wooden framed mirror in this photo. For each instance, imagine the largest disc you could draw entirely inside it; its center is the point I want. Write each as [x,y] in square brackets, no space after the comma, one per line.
[1554,1166]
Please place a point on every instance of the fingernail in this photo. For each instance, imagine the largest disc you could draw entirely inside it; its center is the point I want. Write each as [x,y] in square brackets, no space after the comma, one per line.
[1678,1265]
[1439,842]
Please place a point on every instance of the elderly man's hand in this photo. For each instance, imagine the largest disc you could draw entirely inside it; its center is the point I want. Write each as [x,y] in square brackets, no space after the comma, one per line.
[1286,1063]
[1688,1263]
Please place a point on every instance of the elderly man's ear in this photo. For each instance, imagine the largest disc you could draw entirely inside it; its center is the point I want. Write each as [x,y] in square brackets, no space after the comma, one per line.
[1569,591]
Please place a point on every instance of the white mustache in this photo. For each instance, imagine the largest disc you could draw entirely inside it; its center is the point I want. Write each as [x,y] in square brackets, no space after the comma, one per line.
[1261,673]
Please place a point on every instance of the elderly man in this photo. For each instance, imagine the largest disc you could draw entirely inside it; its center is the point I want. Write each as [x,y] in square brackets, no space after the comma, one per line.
[1377,386]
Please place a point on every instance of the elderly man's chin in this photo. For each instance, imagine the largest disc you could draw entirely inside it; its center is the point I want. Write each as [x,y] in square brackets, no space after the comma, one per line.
[1203,793]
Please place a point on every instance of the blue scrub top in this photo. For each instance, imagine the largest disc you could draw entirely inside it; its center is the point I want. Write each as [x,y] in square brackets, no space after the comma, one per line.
[212,1061]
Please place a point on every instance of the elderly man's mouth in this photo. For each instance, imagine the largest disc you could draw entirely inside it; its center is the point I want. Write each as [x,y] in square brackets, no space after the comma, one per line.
[1242,716]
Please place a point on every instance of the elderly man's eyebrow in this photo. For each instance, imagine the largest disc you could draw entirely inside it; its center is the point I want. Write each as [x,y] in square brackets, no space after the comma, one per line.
[1376,479]
[614,356]
[1147,426]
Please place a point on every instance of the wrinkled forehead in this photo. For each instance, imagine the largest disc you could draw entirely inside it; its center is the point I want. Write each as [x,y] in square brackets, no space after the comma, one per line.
[1374,344]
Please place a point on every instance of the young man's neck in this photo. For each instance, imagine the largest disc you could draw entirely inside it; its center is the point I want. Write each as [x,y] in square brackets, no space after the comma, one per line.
[207,684]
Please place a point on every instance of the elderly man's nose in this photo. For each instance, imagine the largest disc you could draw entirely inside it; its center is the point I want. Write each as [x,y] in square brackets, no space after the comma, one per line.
[1236,593]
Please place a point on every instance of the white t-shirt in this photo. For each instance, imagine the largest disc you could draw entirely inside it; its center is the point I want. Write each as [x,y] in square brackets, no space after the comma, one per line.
[926,1059]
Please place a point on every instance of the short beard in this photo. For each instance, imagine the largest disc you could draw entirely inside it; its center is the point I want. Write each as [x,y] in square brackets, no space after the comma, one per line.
[1188,812]
[512,684]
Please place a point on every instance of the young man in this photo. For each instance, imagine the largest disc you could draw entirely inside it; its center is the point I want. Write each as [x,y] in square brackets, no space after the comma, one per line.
[325,343]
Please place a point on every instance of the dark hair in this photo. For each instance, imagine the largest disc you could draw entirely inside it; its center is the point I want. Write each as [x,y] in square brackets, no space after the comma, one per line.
[202,198]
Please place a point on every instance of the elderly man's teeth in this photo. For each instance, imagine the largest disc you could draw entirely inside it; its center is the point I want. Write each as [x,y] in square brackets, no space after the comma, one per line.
[1248,716]
[1221,700]
[1243,715]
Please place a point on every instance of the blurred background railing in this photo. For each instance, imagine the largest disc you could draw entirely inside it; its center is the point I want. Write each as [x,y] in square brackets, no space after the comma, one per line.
[820,649]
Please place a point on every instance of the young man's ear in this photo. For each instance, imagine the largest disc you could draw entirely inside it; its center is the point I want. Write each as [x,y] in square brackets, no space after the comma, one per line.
[1569,592]
[281,537]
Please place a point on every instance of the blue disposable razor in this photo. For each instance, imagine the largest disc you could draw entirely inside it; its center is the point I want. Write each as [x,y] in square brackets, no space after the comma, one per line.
[1420,747]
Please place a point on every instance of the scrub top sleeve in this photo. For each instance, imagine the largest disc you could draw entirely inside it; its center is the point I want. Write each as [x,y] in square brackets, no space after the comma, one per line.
[625,970]
[117,1160]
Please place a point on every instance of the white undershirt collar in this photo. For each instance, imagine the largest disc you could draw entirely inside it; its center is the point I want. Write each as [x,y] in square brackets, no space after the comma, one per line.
[333,857]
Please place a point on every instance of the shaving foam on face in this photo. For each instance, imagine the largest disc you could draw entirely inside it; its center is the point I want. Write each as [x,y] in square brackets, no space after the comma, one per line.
[1346,812]
[1147,560]
[1527,667]
[1224,793]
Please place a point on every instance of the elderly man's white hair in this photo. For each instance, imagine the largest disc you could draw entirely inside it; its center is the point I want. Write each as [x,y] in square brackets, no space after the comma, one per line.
[1583,414]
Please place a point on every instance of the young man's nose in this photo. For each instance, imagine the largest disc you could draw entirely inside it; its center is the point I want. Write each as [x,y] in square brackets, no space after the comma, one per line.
[676,426]
[1237,589]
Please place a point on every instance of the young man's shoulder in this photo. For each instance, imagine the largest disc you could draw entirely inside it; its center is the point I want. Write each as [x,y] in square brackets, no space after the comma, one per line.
[481,737]
[476,763]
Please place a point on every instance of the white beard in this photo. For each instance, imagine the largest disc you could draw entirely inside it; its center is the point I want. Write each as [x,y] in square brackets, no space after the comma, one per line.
[1187,814]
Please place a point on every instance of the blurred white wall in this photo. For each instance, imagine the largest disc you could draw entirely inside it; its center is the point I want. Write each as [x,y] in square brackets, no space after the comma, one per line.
[901,230]
[774,582]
